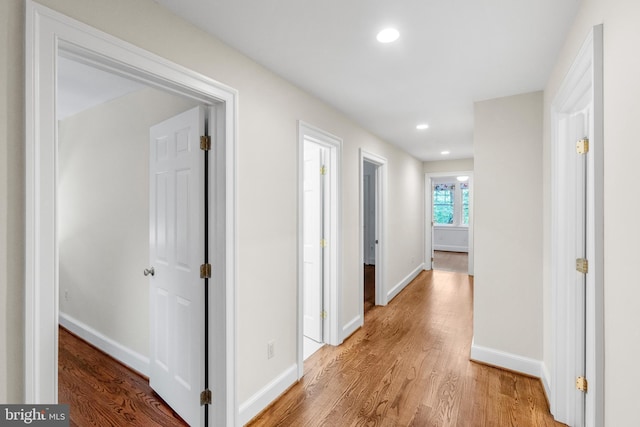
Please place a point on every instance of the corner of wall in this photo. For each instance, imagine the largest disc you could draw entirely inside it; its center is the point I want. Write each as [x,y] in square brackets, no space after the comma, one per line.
[404,282]
[123,354]
[509,361]
[352,326]
[267,394]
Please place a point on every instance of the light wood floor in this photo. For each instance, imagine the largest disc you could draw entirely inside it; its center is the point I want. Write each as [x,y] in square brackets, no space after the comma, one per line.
[451,261]
[409,366]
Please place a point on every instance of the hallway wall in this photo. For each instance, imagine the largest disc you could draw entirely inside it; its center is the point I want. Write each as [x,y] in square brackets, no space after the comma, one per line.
[268,112]
[104,216]
[508,226]
[457,165]
[621,153]
[12,221]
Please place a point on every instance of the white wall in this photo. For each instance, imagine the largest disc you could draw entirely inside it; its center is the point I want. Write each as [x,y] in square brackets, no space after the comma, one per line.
[508,225]
[621,154]
[104,214]
[268,113]
[438,166]
[11,200]
[450,238]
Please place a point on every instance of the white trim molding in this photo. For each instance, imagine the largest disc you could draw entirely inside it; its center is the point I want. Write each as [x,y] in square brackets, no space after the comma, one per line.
[404,282]
[504,360]
[546,381]
[381,229]
[352,326]
[267,394]
[50,34]
[121,353]
[578,311]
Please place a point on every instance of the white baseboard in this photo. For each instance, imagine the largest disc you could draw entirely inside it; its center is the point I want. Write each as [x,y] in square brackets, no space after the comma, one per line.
[123,354]
[450,248]
[404,282]
[505,360]
[267,394]
[351,327]
[546,381]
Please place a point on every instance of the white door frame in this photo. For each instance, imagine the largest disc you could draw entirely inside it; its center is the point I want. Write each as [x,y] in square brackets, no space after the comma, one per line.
[381,230]
[428,201]
[47,34]
[582,85]
[333,220]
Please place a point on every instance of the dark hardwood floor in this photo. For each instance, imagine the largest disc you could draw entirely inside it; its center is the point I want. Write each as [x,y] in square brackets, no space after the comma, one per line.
[102,392]
[409,366]
[369,287]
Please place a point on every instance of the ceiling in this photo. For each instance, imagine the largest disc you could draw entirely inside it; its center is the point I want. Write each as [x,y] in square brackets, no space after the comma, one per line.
[450,54]
[82,86]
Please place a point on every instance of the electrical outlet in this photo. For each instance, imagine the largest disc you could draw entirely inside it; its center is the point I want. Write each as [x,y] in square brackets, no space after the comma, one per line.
[270,349]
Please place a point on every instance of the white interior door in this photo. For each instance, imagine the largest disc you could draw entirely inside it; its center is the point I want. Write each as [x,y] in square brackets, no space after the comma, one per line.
[176,236]
[313,267]
[570,245]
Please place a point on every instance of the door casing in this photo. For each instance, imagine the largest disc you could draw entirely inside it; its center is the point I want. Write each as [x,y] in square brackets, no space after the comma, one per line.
[381,295]
[582,87]
[333,223]
[47,34]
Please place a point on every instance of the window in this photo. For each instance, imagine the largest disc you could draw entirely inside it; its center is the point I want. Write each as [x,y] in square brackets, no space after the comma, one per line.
[444,203]
[464,193]
[451,204]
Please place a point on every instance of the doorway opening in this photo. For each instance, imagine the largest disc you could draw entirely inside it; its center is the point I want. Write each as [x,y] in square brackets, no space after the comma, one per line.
[51,36]
[373,197]
[319,240]
[113,215]
[369,234]
[449,221]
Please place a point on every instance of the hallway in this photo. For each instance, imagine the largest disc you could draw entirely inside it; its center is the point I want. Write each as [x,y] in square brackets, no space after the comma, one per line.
[409,366]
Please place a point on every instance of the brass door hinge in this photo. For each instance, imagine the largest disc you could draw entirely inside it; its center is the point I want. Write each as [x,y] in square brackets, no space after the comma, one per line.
[582,384]
[205,397]
[582,146]
[323,314]
[582,265]
[323,170]
[323,243]
[205,271]
[205,143]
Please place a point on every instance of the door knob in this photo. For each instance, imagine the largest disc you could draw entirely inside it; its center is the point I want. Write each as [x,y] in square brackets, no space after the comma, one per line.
[149,271]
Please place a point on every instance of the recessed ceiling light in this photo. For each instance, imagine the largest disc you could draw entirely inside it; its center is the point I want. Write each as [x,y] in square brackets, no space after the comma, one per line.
[388,35]
[422,126]
[462,178]
[444,153]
